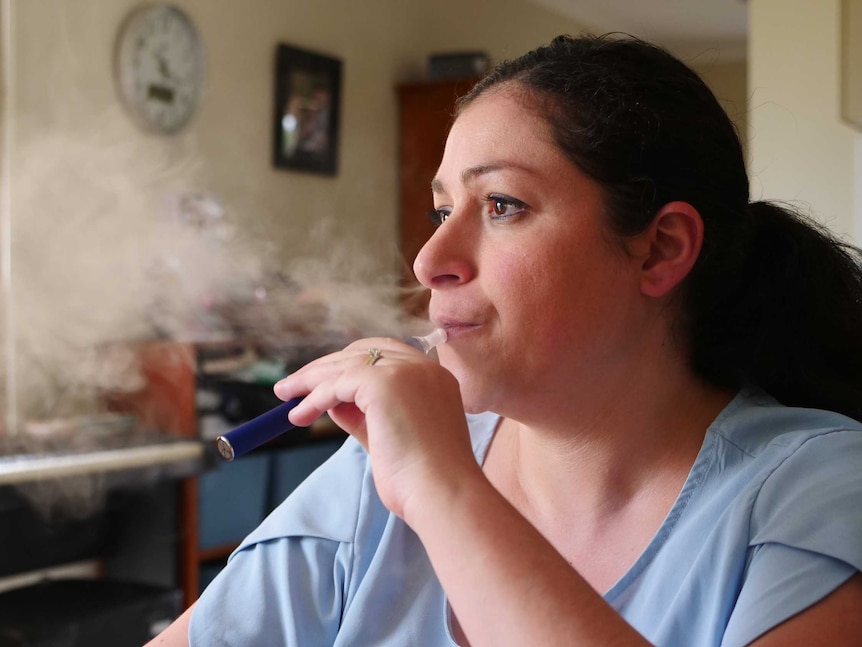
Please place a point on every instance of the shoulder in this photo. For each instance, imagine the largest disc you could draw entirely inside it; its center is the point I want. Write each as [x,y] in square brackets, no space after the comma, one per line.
[767,524]
[805,471]
[761,439]
[810,500]
[759,426]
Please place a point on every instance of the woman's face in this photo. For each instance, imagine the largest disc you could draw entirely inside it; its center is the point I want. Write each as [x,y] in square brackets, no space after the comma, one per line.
[539,300]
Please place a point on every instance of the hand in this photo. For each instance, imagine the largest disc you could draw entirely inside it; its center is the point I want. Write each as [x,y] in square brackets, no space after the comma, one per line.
[405,410]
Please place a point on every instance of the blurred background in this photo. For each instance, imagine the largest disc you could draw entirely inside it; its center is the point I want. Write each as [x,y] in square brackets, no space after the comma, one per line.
[185,215]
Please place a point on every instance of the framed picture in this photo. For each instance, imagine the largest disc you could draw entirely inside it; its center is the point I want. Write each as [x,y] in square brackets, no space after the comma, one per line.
[307,107]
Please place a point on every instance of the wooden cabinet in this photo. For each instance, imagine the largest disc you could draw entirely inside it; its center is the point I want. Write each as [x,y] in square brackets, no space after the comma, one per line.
[425,115]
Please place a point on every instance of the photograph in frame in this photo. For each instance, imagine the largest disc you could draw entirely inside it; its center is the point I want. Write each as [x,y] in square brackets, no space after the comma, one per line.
[307,110]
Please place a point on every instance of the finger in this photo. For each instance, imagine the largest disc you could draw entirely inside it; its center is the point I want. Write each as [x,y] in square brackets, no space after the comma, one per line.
[320,397]
[360,347]
[303,380]
[377,342]
[330,391]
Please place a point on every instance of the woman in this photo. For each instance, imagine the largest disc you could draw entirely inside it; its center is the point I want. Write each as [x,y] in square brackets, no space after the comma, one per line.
[628,323]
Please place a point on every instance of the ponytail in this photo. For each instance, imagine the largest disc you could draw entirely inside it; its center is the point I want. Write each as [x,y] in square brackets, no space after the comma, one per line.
[790,321]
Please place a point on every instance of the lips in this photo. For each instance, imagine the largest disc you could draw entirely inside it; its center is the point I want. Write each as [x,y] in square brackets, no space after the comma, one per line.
[455,326]
[458,315]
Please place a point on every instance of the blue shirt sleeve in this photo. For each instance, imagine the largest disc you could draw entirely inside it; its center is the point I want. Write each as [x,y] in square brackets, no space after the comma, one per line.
[288,578]
[780,582]
[805,529]
[331,565]
[300,606]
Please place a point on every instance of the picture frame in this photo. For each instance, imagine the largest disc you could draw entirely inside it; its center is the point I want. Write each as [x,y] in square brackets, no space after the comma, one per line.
[307,110]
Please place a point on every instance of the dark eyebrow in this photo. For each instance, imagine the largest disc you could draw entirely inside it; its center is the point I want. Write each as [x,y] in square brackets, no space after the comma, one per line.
[472,173]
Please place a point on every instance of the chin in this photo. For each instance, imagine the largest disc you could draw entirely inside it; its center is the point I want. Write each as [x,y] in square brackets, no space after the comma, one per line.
[473,398]
[476,388]
[474,409]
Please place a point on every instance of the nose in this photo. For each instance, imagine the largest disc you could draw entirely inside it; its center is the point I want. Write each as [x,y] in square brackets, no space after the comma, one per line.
[447,259]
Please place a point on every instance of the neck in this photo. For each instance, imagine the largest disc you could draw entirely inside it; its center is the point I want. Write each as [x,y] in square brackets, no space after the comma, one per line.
[641,437]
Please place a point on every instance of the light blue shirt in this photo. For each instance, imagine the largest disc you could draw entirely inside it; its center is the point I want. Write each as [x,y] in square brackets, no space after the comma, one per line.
[768,522]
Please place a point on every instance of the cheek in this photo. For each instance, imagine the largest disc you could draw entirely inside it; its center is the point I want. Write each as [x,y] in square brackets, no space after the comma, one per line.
[555,292]
[517,276]
[535,299]
[539,274]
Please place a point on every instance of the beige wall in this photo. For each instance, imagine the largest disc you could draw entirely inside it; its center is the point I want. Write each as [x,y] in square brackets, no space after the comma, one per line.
[801,151]
[729,81]
[93,197]
[64,88]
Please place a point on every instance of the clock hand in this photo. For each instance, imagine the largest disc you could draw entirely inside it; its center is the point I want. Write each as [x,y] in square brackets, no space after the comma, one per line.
[164,70]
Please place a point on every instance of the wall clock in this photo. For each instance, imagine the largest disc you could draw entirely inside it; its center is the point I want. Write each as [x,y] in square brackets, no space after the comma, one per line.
[160,67]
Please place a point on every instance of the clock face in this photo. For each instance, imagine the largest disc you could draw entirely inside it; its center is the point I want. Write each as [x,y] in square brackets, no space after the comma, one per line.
[160,67]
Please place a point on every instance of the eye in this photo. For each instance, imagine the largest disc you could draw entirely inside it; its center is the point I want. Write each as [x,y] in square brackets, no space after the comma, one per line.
[504,207]
[439,216]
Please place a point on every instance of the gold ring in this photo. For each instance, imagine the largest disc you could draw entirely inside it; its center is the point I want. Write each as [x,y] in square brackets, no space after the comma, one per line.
[373,355]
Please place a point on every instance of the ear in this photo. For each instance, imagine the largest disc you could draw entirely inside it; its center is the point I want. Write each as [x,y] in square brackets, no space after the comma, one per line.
[671,244]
